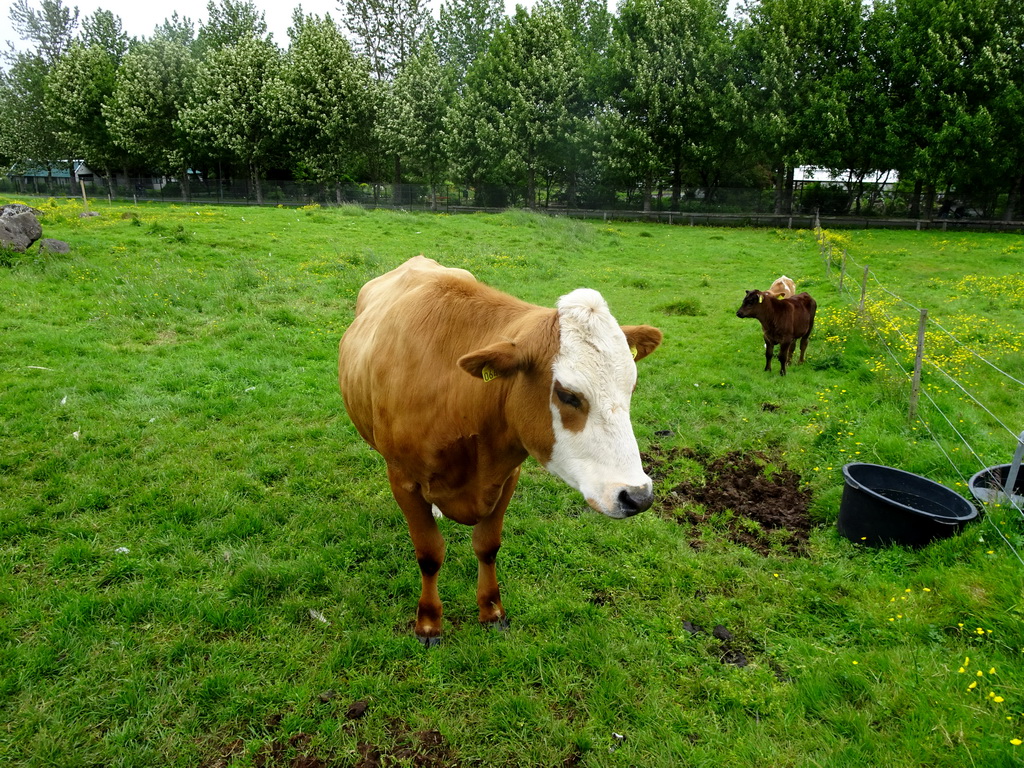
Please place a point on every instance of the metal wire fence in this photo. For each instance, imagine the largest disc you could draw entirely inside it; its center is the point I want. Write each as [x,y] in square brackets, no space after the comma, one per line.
[691,206]
[943,427]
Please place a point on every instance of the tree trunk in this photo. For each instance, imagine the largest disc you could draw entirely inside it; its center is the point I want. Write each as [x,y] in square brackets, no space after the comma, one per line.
[790,179]
[677,182]
[186,189]
[531,187]
[784,179]
[878,192]
[929,200]
[706,184]
[780,192]
[1013,198]
[915,201]
[257,187]
[648,190]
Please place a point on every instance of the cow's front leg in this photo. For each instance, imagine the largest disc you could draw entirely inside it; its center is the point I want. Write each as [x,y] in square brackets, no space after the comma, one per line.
[429,546]
[785,354]
[769,347]
[486,543]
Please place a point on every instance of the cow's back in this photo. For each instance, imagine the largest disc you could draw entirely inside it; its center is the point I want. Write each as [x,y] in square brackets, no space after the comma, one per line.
[377,295]
[397,362]
[807,303]
[803,308]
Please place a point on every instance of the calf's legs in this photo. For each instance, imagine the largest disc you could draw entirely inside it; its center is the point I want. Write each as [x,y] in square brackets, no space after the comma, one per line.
[785,355]
[769,347]
[803,345]
[786,349]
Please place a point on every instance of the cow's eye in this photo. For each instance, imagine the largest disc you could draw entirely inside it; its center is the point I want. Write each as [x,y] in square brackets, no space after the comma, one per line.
[568,398]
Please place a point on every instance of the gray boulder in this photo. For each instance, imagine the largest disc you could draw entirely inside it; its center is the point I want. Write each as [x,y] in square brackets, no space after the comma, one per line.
[50,245]
[12,209]
[19,227]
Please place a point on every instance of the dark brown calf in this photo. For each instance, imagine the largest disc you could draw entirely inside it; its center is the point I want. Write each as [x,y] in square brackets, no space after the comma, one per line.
[783,321]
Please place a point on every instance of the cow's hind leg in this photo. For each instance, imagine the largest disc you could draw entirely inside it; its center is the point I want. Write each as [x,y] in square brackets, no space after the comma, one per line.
[803,345]
[429,546]
[486,543]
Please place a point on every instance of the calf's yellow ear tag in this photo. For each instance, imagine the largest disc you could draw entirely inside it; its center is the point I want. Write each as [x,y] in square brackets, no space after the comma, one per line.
[488,373]
[632,351]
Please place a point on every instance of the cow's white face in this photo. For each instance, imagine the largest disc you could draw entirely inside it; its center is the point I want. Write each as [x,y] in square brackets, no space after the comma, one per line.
[593,376]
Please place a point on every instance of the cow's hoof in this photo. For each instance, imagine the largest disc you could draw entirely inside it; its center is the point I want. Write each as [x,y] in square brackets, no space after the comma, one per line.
[501,624]
[429,642]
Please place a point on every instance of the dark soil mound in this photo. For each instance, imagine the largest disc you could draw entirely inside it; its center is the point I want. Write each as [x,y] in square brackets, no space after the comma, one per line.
[768,505]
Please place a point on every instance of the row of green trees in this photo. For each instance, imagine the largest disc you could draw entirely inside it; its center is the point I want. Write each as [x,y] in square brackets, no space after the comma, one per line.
[660,97]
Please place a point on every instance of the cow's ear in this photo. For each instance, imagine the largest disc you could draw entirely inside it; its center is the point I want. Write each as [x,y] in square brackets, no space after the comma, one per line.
[501,359]
[642,338]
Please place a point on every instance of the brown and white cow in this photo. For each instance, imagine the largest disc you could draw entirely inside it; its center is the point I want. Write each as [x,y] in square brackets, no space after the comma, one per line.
[782,288]
[783,321]
[455,384]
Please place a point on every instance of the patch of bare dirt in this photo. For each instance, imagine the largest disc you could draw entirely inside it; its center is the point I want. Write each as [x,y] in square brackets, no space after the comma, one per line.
[296,750]
[422,749]
[768,504]
[733,651]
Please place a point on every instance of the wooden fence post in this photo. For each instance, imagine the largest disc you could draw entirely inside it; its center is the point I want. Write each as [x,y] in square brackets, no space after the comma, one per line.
[863,290]
[842,271]
[85,200]
[915,387]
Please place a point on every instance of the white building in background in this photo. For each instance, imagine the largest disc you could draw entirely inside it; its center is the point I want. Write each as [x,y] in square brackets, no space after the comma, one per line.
[809,173]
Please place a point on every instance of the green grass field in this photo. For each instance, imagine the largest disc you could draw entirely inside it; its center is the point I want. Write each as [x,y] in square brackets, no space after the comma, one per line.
[201,563]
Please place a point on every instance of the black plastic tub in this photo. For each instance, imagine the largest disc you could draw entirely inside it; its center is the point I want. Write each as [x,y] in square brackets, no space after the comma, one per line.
[882,505]
[987,486]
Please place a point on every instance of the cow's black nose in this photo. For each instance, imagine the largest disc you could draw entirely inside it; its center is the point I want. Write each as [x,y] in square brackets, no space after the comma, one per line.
[635,500]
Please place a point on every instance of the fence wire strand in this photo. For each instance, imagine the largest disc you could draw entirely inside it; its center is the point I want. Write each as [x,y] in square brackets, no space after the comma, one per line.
[876,313]
[938,325]
[952,463]
[963,389]
[980,357]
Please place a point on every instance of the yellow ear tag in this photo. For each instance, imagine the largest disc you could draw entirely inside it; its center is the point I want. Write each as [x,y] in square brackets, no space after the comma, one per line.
[488,373]
[632,351]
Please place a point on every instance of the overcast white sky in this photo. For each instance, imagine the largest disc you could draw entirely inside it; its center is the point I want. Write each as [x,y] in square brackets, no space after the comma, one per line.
[140,17]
